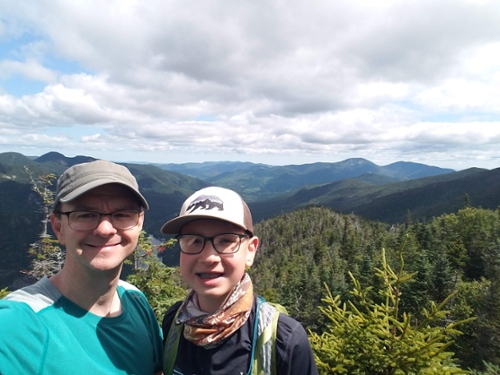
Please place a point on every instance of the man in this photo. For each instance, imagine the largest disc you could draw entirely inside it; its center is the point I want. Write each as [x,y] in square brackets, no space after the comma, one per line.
[84,319]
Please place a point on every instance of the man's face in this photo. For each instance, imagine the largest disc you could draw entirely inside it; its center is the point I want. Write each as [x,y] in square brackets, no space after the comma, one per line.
[211,275]
[104,248]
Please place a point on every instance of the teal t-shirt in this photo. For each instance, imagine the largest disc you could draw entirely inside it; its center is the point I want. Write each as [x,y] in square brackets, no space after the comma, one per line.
[44,333]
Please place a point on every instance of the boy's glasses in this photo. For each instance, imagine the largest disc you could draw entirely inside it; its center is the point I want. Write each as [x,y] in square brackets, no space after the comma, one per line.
[89,220]
[225,243]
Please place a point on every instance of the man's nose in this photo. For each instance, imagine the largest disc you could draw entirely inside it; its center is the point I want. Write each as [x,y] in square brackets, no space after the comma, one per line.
[105,225]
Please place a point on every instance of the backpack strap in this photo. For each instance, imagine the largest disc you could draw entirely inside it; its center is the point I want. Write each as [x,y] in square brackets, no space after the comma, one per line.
[171,345]
[276,316]
[264,342]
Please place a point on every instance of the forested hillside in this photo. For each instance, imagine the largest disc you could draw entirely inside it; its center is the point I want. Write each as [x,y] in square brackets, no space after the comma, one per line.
[390,202]
[306,249]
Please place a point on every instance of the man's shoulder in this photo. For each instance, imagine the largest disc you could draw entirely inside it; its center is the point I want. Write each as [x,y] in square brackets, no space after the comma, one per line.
[38,296]
[131,292]
[133,299]
[127,286]
[16,317]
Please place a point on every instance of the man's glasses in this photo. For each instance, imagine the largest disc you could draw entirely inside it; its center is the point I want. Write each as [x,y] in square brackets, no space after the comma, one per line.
[225,243]
[89,220]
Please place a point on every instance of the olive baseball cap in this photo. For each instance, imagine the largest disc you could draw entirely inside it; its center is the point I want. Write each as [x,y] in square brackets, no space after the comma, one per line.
[212,203]
[83,177]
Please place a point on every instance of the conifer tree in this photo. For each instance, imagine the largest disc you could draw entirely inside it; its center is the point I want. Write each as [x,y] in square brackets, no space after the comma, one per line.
[48,258]
[489,369]
[489,320]
[469,302]
[368,338]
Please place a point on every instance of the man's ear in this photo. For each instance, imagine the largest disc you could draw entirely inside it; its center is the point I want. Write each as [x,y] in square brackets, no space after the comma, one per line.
[253,244]
[141,220]
[55,221]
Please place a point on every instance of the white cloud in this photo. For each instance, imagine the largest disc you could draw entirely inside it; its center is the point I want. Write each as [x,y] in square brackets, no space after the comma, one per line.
[29,69]
[385,80]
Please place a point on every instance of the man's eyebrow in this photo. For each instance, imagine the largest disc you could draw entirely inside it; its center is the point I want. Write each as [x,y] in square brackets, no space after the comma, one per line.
[80,208]
[131,207]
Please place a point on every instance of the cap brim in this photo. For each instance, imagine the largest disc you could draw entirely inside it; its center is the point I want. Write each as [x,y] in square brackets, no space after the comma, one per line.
[99,182]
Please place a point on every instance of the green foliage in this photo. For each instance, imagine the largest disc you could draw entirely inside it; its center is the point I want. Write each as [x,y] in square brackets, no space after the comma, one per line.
[469,242]
[490,369]
[302,250]
[162,285]
[369,338]
[470,301]
[466,237]
[4,292]
[48,258]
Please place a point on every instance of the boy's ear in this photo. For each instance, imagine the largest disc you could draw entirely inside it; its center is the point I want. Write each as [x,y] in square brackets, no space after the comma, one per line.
[253,244]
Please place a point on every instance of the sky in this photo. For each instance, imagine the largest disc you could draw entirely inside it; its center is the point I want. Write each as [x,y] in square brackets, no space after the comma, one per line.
[268,81]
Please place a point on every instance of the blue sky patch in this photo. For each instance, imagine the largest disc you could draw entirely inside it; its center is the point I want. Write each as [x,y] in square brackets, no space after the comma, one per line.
[20,86]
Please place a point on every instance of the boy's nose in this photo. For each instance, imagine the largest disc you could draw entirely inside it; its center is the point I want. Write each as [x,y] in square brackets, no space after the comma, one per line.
[208,252]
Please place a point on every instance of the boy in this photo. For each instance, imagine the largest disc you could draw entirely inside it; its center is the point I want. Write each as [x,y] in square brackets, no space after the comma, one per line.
[221,316]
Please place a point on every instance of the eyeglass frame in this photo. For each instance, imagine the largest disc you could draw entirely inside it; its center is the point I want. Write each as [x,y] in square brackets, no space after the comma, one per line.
[110,214]
[211,239]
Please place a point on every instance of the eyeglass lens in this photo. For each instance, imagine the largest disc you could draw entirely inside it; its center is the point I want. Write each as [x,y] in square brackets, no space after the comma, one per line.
[89,220]
[226,243]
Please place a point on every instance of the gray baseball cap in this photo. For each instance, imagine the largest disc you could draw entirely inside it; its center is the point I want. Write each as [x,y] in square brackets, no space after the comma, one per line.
[83,177]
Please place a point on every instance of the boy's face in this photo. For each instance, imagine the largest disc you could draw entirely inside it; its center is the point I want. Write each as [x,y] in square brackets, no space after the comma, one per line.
[211,275]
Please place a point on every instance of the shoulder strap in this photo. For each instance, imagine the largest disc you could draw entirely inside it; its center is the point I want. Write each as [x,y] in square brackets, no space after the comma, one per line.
[280,308]
[264,348]
[273,338]
[171,345]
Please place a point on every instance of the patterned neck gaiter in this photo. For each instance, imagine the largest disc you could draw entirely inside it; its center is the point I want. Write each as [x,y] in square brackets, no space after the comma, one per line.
[210,330]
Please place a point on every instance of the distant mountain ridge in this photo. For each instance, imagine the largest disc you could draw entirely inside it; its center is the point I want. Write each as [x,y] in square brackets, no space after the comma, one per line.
[256,181]
[423,198]
[55,157]
[356,186]
[205,169]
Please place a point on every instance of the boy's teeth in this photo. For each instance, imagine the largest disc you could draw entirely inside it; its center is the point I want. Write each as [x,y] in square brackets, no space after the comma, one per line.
[208,275]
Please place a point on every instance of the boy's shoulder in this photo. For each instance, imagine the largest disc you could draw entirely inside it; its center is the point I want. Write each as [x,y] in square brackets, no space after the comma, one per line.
[280,308]
[170,315]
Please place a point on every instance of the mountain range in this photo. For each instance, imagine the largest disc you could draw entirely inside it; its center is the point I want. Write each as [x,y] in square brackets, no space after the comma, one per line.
[258,181]
[384,193]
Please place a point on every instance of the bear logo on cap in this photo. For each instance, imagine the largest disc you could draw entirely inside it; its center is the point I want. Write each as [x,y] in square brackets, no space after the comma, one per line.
[206,202]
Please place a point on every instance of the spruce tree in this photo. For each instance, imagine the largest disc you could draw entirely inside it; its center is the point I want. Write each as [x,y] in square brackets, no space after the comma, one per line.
[369,338]
[48,257]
